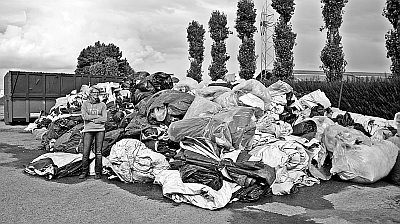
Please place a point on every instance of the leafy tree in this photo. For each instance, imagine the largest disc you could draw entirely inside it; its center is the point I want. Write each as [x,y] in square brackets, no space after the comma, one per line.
[246,17]
[195,37]
[264,75]
[332,56]
[110,66]
[102,59]
[125,69]
[392,13]
[247,59]
[97,69]
[219,33]
[284,39]
[285,9]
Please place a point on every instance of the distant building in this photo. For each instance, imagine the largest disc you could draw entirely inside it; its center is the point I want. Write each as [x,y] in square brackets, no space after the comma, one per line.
[320,75]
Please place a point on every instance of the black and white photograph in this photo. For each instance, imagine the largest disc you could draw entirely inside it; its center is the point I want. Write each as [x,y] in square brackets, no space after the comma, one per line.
[245,111]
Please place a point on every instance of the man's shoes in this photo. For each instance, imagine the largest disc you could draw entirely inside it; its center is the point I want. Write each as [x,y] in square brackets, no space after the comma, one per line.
[83,176]
[97,176]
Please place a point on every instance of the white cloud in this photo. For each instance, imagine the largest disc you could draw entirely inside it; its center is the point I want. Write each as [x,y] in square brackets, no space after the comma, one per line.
[55,33]
[48,35]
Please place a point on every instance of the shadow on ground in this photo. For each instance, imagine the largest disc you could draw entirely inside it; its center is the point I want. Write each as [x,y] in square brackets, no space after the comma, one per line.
[306,198]
[20,158]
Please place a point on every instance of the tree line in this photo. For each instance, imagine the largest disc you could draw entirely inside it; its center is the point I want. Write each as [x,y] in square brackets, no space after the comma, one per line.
[102,59]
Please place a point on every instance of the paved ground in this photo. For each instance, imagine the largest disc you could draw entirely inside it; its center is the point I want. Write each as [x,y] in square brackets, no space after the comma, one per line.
[29,199]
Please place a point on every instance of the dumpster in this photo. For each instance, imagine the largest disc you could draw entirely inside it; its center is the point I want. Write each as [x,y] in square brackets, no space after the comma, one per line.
[26,94]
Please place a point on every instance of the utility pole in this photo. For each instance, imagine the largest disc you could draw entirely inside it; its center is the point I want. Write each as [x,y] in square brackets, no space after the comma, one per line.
[267,24]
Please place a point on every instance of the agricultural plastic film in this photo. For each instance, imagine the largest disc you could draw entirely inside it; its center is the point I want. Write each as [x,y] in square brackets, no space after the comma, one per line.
[178,102]
[161,81]
[394,174]
[196,194]
[85,89]
[252,101]
[39,133]
[201,107]
[356,157]
[278,91]
[397,122]
[187,83]
[132,161]
[110,138]
[314,98]
[31,127]
[191,173]
[71,146]
[211,92]
[322,123]
[306,129]
[227,100]
[57,165]
[175,102]
[235,166]
[61,101]
[256,88]
[279,88]
[232,129]
[370,124]
[276,128]
[290,160]
[137,123]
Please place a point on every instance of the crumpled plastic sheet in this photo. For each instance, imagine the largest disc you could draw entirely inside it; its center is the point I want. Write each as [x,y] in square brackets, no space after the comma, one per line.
[356,157]
[194,193]
[202,107]
[233,129]
[132,161]
[290,161]
[256,88]
[314,98]
[54,163]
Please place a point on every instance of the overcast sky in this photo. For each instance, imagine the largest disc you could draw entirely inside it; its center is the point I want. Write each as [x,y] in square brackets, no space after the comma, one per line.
[48,35]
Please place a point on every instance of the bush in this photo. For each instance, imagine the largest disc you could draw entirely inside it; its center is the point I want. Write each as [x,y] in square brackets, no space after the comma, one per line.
[378,98]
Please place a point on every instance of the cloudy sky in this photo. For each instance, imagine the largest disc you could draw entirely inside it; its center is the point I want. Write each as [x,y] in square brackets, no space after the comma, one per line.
[48,35]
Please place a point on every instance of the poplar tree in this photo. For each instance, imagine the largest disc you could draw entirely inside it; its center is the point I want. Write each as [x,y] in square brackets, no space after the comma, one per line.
[332,56]
[284,39]
[246,17]
[219,33]
[392,37]
[195,37]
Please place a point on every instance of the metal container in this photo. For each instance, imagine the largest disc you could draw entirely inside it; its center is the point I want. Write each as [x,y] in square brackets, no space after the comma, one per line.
[26,94]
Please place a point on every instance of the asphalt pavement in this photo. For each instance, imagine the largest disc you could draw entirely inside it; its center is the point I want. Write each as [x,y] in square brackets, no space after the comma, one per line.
[31,199]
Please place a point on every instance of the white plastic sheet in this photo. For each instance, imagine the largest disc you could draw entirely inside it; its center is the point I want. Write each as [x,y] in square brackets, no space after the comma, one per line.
[356,157]
[132,161]
[193,193]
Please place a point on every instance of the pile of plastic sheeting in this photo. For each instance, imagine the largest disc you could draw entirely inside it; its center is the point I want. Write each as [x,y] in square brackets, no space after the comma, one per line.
[209,145]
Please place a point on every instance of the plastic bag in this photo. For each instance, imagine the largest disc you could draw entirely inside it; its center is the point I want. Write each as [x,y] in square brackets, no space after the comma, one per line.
[279,88]
[256,88]
[211,92]
[132,161]
[227,100]
[186,83]
[356,157]
[234,128]
[202,107]
[305,129]
[314,98]
[394,175]
[252,101]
